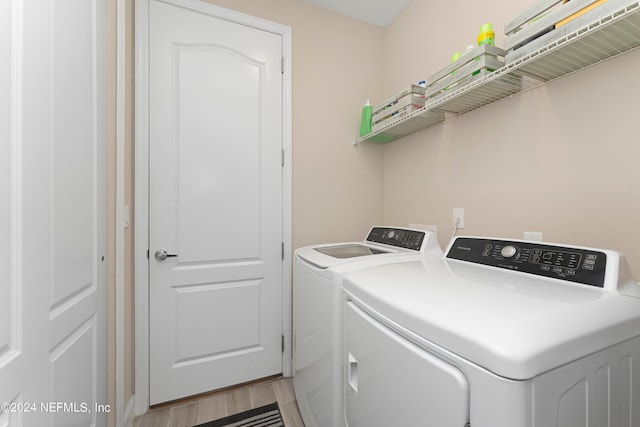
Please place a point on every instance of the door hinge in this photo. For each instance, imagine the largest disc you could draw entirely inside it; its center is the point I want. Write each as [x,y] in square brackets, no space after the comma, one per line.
[282,251]
[282,342]
[282,158]
[147,253]
[282,65]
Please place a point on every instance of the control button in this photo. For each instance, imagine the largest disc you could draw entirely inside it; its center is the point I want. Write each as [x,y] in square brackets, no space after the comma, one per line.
[391,234]
[508,251]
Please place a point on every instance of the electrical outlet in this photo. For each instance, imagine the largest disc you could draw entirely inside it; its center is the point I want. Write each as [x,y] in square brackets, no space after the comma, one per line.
[458,217]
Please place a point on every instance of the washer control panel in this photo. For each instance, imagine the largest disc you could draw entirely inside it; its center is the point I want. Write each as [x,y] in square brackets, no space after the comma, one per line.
[579,265]
[399,237]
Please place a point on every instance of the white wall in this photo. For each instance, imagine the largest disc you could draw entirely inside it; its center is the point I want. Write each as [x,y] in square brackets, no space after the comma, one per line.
[561,159]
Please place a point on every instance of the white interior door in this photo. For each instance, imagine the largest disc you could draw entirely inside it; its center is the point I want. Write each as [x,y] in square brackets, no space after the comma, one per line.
[52,213]
[215,201]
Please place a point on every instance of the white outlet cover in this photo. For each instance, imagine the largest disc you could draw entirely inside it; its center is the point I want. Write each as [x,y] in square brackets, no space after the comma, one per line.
[459,213]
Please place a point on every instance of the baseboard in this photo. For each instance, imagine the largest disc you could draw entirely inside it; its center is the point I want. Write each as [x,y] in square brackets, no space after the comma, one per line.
[129,412]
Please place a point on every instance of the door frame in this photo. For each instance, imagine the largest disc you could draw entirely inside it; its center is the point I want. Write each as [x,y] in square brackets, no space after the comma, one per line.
[141,236]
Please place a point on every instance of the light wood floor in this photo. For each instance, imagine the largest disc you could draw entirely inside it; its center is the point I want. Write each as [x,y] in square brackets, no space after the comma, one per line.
[209,407]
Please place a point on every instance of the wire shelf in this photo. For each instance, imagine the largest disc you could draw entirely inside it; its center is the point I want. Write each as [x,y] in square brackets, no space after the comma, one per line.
[605,37]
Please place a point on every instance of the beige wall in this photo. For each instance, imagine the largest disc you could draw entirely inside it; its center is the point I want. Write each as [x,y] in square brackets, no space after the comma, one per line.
[561,159]
[129,312]
[111,203]
[128,309]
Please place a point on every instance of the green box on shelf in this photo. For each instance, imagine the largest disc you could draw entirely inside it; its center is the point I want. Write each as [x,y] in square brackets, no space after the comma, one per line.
[472,65]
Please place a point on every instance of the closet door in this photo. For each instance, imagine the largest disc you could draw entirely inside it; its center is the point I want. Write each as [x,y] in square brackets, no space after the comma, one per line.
[52,213]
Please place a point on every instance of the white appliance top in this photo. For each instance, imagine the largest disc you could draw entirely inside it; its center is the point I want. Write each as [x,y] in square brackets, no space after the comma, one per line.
[382,245]
[513,322]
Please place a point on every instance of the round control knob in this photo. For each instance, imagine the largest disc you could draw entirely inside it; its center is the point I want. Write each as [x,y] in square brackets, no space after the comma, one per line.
[508,251]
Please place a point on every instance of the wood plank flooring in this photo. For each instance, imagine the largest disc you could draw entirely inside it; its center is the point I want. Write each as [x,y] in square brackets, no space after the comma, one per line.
[212,406]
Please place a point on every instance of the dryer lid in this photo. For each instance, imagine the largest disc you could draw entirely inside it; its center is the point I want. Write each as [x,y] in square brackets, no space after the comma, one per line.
[514,325]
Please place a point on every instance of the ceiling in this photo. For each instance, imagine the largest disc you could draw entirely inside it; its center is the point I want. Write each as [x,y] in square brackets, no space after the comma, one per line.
[377,12]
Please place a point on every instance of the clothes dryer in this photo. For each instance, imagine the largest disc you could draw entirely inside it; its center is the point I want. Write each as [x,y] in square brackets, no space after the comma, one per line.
[319,307]
[498,333]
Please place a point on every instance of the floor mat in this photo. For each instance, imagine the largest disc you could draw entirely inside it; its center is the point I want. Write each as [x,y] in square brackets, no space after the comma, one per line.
[264,416]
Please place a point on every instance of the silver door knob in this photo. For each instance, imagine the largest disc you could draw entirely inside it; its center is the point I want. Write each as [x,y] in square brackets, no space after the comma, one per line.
[161,255]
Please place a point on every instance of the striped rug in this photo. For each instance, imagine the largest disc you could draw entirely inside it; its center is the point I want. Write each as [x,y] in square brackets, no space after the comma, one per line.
[264,416]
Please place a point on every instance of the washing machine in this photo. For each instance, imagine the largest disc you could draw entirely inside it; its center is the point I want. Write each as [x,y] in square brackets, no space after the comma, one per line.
[498,333]
[318,312]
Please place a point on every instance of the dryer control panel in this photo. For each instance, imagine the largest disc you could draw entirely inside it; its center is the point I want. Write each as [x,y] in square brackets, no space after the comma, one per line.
[579,265]
[399,237]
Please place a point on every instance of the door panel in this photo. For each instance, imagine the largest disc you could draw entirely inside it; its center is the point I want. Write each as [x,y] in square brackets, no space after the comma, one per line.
[219,148]
[77,134]
[52,211]
[74,358]
[10,313]
[16,383]
[7,188]
[237,304]
[215,201]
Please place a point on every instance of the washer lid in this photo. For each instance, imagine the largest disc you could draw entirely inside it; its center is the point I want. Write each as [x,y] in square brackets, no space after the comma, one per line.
[514,325]
[381,242]
[334,255]
[351,250]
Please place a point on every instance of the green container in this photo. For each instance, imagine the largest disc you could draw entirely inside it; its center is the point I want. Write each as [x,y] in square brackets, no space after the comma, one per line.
[486,27]
[366,123]
[487,35]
